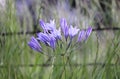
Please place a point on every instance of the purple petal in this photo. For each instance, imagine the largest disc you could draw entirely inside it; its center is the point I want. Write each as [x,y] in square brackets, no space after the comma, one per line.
[63,23]
[42,24]
[52,42]
[66,32]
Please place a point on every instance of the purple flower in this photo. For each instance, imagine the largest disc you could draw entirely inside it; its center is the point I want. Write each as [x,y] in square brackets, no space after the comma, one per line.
[83,35]
[64,28]
[51,35]
[51,26]
[48,27]
[34,44]
[43,37]
[47,39]
[73,31]
[57,34]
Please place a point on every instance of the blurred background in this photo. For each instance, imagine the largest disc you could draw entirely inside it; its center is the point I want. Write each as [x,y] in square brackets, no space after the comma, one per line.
[19,20]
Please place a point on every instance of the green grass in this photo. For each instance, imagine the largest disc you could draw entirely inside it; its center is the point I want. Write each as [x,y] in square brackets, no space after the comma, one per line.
[98,58]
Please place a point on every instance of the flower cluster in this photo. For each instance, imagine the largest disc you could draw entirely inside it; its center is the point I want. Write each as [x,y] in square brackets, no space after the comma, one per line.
[51,35]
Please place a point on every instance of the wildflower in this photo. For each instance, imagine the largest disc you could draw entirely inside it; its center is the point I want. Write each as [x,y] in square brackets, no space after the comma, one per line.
[47,39]
[83,35]
[73,31]
[51,35]
[48,27]
[43,37]
[57,34]
[34,44]
[64,28]
[51,26]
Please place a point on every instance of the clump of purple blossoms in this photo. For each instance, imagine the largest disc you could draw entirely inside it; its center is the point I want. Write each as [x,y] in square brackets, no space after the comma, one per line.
[51,35]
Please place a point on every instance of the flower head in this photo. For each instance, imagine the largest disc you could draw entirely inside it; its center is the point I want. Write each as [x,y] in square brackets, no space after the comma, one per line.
[34,44]
[51,35]
[73,31]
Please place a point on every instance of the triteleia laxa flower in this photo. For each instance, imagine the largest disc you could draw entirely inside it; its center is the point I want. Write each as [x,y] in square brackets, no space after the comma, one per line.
[34,44]
[51,26]
[73,31]
[51,35]
[57,34]
[48,27]
[83,35]
[47,39]
[64,28]
[43,37]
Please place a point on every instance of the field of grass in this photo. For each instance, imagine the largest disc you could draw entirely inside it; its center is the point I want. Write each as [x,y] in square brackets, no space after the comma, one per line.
[97,58]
